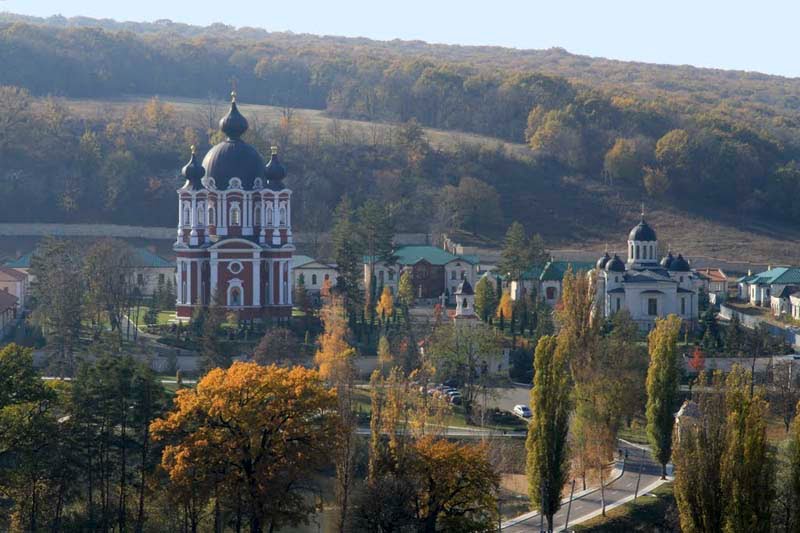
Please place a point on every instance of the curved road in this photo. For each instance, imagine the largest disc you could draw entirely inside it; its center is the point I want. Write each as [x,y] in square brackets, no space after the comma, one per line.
[589,504]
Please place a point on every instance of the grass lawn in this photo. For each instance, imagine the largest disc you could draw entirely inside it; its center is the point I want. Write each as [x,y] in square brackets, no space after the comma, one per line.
[637,433]
[651,514]
[164,317]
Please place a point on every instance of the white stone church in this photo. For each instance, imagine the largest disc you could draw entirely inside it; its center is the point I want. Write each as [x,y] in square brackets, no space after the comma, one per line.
[646,287]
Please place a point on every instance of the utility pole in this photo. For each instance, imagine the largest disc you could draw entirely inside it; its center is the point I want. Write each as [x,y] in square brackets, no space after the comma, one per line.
[569,505]
[602,492]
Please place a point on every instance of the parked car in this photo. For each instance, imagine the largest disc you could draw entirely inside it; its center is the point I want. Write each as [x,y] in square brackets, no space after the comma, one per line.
[522,410]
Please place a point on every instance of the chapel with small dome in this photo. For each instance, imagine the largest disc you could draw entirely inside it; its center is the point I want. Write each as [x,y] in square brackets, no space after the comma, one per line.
[648,288]
[234,245]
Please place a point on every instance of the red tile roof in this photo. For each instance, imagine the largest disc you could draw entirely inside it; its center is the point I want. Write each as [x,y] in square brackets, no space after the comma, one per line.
[714,274]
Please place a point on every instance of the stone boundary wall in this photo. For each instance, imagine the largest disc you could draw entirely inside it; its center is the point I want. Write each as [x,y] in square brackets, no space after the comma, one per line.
[792,335]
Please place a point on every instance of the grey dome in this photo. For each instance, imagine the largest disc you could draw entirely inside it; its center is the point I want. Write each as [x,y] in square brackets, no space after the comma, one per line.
[193,171]
[601,263]
[233,158]
[667,260]
[679,264]
[274,171]
[615,265]
[642,232]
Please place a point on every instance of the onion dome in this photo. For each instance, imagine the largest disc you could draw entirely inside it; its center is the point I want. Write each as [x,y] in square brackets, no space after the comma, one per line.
[233,158]
[233,124]
[193,171]
[601,263]
[615,265]
[679,264]
[667,260]
[465,289]
[642,232]
[274,171]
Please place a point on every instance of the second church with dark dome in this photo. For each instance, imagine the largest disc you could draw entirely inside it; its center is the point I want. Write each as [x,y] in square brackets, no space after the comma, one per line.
[234,243]
[648,288]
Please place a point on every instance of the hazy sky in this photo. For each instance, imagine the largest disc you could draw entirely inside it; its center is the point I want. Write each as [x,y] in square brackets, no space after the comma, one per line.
[734,34]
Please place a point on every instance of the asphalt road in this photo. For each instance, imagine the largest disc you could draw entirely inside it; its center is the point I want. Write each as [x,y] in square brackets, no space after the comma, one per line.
[590,504]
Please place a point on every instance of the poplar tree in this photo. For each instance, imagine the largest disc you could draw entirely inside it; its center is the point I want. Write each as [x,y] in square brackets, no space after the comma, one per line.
[546,445]
[662,387]
[747,467]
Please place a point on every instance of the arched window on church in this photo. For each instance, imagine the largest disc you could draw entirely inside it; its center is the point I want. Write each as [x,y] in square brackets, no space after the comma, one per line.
[235,298]
[464,304]
[313,280]
[212,216]
[236,216]
[270,219]
[200,215]
[551,293]
[187,214]
[282,216]
[257,216]
[637,251]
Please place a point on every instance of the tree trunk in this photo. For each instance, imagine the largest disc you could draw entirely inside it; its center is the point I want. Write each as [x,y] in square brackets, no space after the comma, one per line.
[663,470]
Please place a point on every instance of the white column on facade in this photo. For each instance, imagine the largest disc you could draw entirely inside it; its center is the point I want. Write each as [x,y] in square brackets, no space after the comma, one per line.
[289,282]
[276,234]
[213,275]
[188,282]
[280,282]
[225,211]
[179,283]
[289,219]
[256,279]
[271,278]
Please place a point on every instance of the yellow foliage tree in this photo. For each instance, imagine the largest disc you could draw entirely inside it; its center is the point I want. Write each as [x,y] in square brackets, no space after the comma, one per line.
[335,356]
[385,307]
[505,307]
[250,432]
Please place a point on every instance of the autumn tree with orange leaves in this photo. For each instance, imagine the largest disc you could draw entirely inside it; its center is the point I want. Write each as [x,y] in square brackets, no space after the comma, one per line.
[253,435]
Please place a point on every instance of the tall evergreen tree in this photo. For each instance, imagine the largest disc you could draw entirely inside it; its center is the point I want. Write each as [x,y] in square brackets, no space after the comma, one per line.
[347,255]
[546,445]
[663,378]
[485,299]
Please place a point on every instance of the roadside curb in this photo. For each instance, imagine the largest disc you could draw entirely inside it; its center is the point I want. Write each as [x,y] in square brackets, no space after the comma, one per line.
[616,473]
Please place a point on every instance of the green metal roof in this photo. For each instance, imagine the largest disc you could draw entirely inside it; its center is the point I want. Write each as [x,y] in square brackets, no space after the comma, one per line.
[23,261]
[555,270]
[411,255]
[144,258]
[300,260]
[533,273]
[778,275]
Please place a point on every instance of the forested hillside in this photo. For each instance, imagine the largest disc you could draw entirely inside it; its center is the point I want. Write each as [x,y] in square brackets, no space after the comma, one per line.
[717,143]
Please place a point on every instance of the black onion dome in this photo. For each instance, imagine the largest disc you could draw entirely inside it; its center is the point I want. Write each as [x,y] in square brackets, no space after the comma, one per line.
[193,171]
[615,265]
[642,232]
[233,158]
[233,124]
[667,260]
[274,171]
[679,264]
[465,289]
[601,263]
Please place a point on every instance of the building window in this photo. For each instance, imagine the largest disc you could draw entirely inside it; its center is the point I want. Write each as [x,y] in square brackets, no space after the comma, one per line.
[619,304]
[391,275]
[236,216]
[270,219]
[200,215]
[313,280]
[453,275]
[257,216]
[235,298]
[637,251]
[652,306]
[212,216]
[282,216]
[683,306]
[551,293]
[464,304]
[187,215]
[463,275]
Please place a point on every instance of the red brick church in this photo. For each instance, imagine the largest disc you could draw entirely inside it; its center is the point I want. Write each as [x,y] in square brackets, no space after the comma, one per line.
[234,243]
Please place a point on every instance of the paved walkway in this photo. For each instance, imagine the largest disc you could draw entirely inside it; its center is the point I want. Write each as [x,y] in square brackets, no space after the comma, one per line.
[589,504]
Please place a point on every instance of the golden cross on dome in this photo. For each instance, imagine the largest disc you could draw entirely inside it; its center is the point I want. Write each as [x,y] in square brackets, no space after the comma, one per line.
[642,210]
[233,89]
[194,149]
[274,150]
